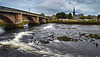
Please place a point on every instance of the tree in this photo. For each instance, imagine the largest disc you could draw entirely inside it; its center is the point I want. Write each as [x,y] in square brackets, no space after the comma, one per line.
[54,17]
[98,16]
[89,17]
[42,14]
[69,16]
[48,16]
[58,15]
[82,17]
[61,15]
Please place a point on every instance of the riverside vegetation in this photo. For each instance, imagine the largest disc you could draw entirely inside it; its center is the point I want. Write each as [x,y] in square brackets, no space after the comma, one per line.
[77,22]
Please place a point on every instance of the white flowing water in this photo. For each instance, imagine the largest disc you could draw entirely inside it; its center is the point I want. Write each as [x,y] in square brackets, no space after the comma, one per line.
[33,48]
[29,47]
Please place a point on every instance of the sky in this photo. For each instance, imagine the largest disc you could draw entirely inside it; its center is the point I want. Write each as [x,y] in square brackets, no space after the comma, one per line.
[50,7]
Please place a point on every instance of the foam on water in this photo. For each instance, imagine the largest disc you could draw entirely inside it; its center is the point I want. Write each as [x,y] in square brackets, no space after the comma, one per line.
[32,47]
[48,27]
[57,41]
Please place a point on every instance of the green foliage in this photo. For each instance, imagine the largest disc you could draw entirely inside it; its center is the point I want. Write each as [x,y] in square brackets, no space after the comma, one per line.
[58,15]
[1,21]
[48,16]
[25,21]
[82,17]
[89,17]
[98,16]
[54,17]
[54,20]
[69,16]
[61,15]
[42,14]
[78,22]
[21,25]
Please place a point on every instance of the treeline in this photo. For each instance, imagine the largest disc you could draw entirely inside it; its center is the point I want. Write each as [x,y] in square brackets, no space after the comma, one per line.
[98,16]
[86,17]
[42,14]
[62,15]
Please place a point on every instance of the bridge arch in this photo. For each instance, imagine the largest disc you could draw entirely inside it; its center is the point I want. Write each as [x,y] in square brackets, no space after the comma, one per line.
[41,20]
[31,19]
[6,19]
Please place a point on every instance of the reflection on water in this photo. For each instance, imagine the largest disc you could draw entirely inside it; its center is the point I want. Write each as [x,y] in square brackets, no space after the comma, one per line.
[1,30]
[51,40]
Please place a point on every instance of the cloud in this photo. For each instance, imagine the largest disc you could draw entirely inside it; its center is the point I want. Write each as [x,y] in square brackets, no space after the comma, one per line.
[50,7]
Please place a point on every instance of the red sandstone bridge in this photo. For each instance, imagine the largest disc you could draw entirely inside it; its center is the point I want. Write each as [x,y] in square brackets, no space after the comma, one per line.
[15,16]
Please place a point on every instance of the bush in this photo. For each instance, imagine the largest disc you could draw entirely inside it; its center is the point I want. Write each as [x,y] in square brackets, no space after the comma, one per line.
[1,21]
[25,21]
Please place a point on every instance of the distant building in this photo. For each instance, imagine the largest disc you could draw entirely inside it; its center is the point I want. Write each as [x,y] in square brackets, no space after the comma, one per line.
[95,17]
[76,16]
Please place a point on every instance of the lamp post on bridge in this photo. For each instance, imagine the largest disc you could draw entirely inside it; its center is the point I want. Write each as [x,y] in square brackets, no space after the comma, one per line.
[29,9]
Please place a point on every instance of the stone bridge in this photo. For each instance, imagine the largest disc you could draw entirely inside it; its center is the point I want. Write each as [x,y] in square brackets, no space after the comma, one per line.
[15,16]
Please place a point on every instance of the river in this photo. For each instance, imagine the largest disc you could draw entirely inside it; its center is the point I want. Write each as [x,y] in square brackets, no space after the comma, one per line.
[51,40]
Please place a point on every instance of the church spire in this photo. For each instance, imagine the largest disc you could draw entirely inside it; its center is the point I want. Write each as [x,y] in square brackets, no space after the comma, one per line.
[74,11]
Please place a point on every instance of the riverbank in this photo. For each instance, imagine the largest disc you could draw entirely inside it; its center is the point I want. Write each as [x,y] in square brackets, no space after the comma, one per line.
[21,25]
[77,22]
[53,21]
[11,26]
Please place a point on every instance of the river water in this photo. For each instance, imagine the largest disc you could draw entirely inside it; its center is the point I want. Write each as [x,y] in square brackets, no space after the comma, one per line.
[51,40]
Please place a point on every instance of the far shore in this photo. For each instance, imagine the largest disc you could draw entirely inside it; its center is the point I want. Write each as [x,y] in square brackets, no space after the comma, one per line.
[77,22]
[66,22]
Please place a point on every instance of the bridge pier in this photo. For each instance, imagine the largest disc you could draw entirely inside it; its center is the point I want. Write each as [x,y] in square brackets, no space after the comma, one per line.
[37,20]
[18,18]
[47,21]
[11,20]
[33,20]
[44,20]
[19,21]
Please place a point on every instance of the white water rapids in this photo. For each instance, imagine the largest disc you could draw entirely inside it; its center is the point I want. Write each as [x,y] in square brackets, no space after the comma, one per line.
[31,47]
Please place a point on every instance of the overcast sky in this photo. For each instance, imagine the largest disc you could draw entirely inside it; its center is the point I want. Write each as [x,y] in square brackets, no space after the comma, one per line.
[50,7]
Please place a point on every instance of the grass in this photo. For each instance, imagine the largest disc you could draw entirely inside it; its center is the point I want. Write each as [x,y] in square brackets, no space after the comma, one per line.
[12,26]
[25,21]
[77,22]
[1,21]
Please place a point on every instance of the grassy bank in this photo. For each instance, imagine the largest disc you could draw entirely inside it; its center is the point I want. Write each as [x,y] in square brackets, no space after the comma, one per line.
[77,22]
[21,25]
[1,22]
[25,21]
